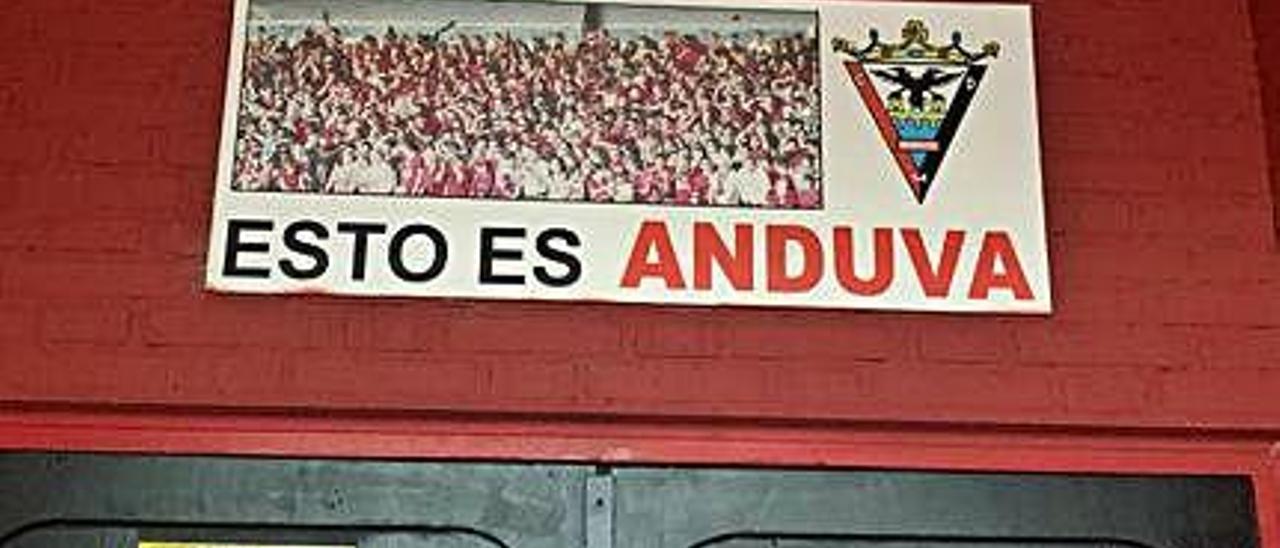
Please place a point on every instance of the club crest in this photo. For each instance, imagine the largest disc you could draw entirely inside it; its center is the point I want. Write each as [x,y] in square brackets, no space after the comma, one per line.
[918,93]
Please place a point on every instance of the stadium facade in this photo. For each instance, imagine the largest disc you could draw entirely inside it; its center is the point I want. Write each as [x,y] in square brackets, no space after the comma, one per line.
[1162,356]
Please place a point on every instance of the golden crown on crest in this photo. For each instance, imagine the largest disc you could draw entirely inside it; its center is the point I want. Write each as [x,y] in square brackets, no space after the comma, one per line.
[915,48]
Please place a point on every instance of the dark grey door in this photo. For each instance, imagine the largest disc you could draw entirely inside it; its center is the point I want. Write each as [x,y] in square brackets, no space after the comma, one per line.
[71,501]
[665,508]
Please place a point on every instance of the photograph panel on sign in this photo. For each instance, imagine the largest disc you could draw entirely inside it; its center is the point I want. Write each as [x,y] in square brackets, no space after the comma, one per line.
[531,101]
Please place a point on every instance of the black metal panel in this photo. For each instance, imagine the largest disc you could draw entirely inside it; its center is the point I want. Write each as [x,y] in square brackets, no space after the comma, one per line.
[75,537]
[79,501]
[459,504]
[758,509]
[760,541]
[60,536]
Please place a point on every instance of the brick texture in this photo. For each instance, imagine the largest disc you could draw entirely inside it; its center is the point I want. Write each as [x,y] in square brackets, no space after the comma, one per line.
[1161,213]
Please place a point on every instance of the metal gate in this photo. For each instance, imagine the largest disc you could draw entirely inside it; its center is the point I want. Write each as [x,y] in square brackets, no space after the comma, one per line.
[72,501]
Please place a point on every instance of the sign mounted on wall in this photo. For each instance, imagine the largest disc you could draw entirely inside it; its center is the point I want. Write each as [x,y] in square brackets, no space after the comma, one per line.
[833,155]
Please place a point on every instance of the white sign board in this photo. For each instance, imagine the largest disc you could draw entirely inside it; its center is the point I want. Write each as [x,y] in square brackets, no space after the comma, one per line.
[834,155]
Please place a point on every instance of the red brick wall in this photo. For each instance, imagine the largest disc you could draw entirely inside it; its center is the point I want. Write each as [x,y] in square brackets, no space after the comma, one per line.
[1166,270]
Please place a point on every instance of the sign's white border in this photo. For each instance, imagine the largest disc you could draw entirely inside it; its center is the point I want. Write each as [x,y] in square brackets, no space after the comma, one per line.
[990,187]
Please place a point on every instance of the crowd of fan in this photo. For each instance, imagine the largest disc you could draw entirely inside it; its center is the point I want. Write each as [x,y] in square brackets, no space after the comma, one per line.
[663,119]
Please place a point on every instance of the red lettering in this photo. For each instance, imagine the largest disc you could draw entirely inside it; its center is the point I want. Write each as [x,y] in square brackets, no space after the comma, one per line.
[738,267]
[997,247]
[846,270]
[778,240]
[654,238]
[936,281]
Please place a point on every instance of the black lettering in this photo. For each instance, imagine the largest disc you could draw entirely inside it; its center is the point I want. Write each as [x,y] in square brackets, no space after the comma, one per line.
[490,254]
[573,266]
[360,254]
[396,253]
[319,259]
[230,258]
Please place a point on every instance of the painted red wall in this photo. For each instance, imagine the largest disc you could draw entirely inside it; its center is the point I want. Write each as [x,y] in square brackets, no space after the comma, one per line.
[1165,264]
[1266,32]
